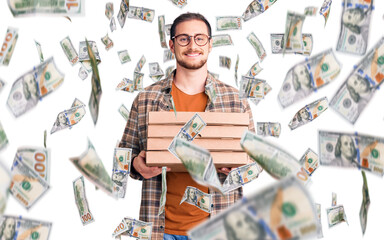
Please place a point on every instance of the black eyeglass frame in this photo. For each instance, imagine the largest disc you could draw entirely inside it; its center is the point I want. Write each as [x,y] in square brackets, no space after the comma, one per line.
[189,39]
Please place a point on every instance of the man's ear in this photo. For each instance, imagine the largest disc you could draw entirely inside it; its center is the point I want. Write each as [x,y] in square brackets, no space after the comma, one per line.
[172,46]
[210,45]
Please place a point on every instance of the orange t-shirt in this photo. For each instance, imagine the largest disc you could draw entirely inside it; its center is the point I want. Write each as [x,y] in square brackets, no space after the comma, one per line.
[181,218]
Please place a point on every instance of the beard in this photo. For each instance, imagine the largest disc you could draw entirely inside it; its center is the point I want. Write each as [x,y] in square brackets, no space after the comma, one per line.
[191,66]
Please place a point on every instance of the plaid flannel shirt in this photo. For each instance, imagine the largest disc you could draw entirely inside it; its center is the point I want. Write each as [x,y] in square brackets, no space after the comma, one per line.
[157,97]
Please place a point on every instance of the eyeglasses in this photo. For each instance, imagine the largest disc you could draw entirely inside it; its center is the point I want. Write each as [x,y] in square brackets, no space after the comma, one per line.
[184,39]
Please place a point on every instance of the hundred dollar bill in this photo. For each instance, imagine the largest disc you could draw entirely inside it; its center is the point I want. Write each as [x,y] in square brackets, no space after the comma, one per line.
[228,23]
[109,10]
[84,56]
[126,85]
[91,167]
[107,42]
[334,199]
[355,23]
[83,73]
[352,151]
[256,8]
[168,55]
[179,3]
[268,129]
[81,201]
[225,62]
[320,228]
[252,88]
[241,175]
[336,215]
[360,86]
[293,39]
[256,44]
[122,15]
[39,51]
[34,85]
[277,162]
[140,64]
[141,13]
[41,7]
[198,199]
[155,72]
[169,70]
[221,40]
[121,169]
[26,185]
[138,81]
[3,137]
[112,24]
[69,50]
[284,210]
[18,227]
[168,29]
[277,44]
[364,204]
[325,10]
[5,180]
[161,25]
[124,56]
[308,76]
[134,228]
[8,46]
[267,89]
[309,113]
[310,11]
[70,117]
[211,92]
[254,70]
[236,68]
[310,161]
[124,112]
[163,197]
[36,158]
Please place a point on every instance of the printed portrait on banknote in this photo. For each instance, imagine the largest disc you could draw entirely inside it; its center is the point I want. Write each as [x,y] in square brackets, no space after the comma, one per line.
[7,229]
[345,152]
[360,90]
[239,225]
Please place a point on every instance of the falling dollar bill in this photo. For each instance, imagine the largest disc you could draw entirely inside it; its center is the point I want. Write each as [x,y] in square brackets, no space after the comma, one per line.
[3,137]
[161,25]
[140,64]
[69,50]
[309,113]
[310,11]
[221,40]
[225,62]
[308,76]
[40,7]
[121,169]
[169,70]
[320,228]
[256,44]
[83,73]
[126,85]
[364,204]
[254,70]
[267,89]
[124,56]
[168,55]
[228,23]
[26,185]
[236,68]
[168,29]
[277,162]
[141,13]
[293,40]
[360,86]
[352,151]
[277,44]
[138,81]
[107,42]
[336,215]
[109,10]
[84,57]
[70,117]
[240,176]
[179,3]
[269,129]
[155,72]
[2,83]
[112,24]
[325,10]
[5,180]
[91,167]
[122,15]
[163,197]
[334,199]
[197,198]
[24,228]
[36,158]
[8,46]
[134,228]
[252,88]
[124,112]
[355,23]
[256,8]
[34,85]
[39,51]
[310,161]
[284,210]
[211,91]
[86,216]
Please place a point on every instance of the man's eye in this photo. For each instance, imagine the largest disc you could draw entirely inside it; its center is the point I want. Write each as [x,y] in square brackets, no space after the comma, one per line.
[184,39]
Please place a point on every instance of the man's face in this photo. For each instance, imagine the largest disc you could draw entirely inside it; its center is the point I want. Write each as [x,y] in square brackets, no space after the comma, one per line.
[302,77]
[240,226]
[191,56]
[9,229]
[347,147]
[353,17]
[358,83]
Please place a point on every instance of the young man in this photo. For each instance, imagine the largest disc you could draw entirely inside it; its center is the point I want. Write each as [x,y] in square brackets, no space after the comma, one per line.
[187,88]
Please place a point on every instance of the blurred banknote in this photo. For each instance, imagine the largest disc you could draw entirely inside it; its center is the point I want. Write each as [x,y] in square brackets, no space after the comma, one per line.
[3,137]
[225,62]
[126,85]
[81,201]
[124,112]
[272,159]
[277,44]
[268,129]
[140,64]
[356,92]
[23,228]
[40,7]
[39,51]
[320,228]
[141,13]
[293,39]
[228,23]
[138,81]
[198,198]
[83,73]
[308,76]
[325,10]
[161,25]
[169,70]
[364,204]
[69,50]
[334,199]
[34,85]
[112,24]
[221,40]
[284,210]
[256,44]
[84,56]
[310,161]
[309,113]
[252,88]
[257,7]
[168,29]
[91,167]
[310,11]
[134,228]
[352,150]
[163,197]
[70,117]
[120,171]
[36,158]
[254,70]
[179,3]
[123,11]
[5,180]
[210,91]
[267,89]
[109,10]
[240,176]
[336,215]
[8,46]
[2,83]
[168,55]
[124,56]
[107,42]
[155,72]
[236,68]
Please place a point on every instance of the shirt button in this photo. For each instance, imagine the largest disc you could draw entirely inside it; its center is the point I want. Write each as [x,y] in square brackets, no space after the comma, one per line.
[161,227]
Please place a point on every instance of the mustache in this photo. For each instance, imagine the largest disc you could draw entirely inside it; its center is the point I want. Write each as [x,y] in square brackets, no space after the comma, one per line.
[192,52]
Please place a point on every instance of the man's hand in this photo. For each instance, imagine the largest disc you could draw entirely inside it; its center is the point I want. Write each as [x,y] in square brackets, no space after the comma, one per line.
[141,167]
[225,170]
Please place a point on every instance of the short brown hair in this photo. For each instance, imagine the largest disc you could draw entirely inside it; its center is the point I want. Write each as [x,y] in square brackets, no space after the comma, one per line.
[187,17]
